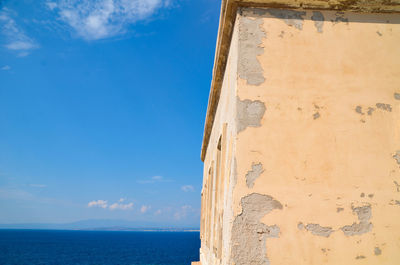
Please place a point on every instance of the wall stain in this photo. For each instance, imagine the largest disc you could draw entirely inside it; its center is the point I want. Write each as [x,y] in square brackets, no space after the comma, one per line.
[253,174]
[358,109]
[364,214]
[397,157]
[360,257]
[318,19]
[290,17]
[249,113]
[339,209]
[397,96]
[316,115]
[380,34]
[249,235]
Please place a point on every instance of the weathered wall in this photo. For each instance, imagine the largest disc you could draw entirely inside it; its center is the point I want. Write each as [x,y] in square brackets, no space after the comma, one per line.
[220,171]
[318,139]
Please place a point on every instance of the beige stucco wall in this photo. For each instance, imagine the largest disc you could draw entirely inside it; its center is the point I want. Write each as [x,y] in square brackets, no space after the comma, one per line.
[311,103]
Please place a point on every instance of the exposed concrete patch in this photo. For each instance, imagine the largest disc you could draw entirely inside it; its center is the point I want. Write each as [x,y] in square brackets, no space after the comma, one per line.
[291,17]
[397,96]
[383,106]
[370,110]
[340,18]
[250,39]
[397,185]
[397,202]
[300,226]
[318,230]
[377,251]
[358,109]
[249,235]
[397,157]
[249,113]
[253,174]
[318,19]
[364,213]
[316,115]
[360,257]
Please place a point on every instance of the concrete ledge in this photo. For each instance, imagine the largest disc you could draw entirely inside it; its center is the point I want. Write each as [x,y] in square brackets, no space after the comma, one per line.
[227,20]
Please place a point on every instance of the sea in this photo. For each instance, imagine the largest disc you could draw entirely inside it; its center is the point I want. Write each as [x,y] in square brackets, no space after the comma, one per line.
[56,247]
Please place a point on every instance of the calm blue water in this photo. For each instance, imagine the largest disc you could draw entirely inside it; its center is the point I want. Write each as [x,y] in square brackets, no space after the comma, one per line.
[33,247]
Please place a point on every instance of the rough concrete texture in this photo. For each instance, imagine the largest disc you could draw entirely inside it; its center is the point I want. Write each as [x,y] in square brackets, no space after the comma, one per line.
[291,17]
[370,110]
[377,251]
[383,106]
[397,186]
[318,19]
[397,157]
[364,226]
[249,113]
[253,174]
[359,110]
[318,230]
[249,235]
[250,37]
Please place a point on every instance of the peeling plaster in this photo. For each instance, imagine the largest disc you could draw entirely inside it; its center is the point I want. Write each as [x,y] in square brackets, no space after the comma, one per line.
[377,251]
[291,17]
[253,174]
[364,226]
[397,157]
[318,230]
[359,110]
[249,235]
[370,110]
[383,106]
[318,19]
[250,39]
[249,113]
[397,185]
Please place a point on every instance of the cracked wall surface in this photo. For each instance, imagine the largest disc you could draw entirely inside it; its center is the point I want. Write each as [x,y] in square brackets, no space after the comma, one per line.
[313,164]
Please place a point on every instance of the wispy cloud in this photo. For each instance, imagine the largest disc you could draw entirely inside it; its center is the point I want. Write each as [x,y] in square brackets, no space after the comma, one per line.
[145,208]
[38,185]
[100,19]
[99,203]
[6,68]
[16,38]
[183,212]
[153,179]
[187,188]
[121,206]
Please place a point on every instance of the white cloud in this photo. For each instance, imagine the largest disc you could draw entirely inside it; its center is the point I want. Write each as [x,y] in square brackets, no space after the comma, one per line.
[98,203]
[144,208]
[183,212]
[121,206]
[6,68]
[153,179]
[16,38]
[187,188]
[100,19]
[121,200]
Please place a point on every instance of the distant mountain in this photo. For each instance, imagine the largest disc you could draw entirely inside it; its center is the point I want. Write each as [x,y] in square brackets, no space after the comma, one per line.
[102,225]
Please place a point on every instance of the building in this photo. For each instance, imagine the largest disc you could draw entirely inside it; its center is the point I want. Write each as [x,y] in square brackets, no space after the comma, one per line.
[301,145]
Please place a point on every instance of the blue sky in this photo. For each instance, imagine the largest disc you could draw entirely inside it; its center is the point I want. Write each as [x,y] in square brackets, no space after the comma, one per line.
[102,107]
